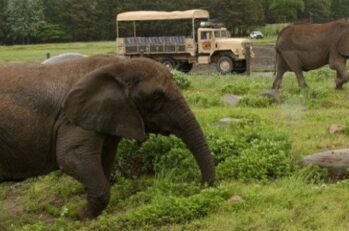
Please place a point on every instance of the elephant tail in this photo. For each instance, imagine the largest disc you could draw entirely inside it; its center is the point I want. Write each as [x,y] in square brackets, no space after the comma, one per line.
[275,62]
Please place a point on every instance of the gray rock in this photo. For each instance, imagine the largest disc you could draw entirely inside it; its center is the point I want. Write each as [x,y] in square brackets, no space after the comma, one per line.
[335,128]
[226,121]
[232,100]
[336,161]
[273,94]
[64,57]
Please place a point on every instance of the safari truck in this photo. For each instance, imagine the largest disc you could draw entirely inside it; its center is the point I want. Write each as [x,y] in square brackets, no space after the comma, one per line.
[207,42]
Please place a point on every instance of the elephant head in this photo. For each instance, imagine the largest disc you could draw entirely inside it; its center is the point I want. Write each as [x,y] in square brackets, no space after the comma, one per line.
[132,98]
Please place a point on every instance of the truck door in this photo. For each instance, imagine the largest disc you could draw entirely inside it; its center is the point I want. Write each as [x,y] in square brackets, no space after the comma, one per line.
[205,42]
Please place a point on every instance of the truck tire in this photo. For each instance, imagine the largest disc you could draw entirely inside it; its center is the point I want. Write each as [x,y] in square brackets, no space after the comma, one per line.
[185,67]
[169,62]
[240,66]
[225,65]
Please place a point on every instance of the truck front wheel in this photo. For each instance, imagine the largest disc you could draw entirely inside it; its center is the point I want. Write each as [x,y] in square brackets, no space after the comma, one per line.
[169,62]
[185,67]
[225,65]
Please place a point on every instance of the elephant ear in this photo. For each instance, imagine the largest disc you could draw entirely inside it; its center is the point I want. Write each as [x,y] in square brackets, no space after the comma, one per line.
[343,44]
[100,101]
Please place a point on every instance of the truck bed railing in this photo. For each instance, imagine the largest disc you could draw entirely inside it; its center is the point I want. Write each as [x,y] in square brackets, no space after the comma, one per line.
[155,45]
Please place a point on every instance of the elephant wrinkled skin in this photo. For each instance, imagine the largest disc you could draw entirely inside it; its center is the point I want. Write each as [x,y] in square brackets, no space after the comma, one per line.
[71,116]
[305,47]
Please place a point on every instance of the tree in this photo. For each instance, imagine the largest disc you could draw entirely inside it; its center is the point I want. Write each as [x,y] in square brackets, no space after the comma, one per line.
[24,19]
[317,10]
[3,7]
[239,15]
[285,10]
[340,9]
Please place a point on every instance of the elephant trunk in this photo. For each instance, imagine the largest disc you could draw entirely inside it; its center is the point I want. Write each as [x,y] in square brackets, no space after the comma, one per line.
[189,130]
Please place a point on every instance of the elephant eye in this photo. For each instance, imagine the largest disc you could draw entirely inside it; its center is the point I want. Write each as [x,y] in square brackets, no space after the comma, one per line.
[157,100]
[158,94]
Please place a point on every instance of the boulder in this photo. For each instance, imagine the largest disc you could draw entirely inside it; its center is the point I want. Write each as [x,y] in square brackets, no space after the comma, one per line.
[335,161]
[335,128]
[273,94]
[226,121]
[64,57]
[232,100]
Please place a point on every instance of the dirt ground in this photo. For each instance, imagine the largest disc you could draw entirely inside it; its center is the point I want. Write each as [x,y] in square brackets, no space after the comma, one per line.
[262,62]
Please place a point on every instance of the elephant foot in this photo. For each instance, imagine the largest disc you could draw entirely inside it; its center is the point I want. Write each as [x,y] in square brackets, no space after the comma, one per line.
[85,214]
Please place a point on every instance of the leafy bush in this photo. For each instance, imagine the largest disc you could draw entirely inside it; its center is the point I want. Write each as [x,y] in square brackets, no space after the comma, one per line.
[181,79]
[201,100]
[264,159]
[255,101]
[169,209]
[236,89]
[313,174]
[247,152]
[134,159]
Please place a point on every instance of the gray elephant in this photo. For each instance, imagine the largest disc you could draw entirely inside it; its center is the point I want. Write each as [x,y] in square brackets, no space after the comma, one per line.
[305,47]
[71,116]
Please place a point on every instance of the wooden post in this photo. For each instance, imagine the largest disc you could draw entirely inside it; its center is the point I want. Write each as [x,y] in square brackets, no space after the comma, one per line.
[248,60]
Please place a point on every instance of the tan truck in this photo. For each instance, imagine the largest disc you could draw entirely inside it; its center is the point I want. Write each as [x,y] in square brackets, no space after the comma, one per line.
[208,43]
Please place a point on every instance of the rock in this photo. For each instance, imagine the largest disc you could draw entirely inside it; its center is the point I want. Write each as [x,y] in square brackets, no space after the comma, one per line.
[236,199]
[335,128]
[336,161]
[226,121]
[64,57]
[273,94]
[232,100]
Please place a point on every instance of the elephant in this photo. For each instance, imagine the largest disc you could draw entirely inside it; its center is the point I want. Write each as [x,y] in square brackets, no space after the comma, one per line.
[71,115]
[305,47]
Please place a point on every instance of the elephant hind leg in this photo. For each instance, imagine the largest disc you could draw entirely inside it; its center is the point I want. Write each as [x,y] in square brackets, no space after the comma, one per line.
[338,63]
[281,67]
[300,78]
[342,75]
[278,79]
[79,155]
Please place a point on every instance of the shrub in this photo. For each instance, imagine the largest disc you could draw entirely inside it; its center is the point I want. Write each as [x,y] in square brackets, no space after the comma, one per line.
[246,152]
[169,209]
[313,174]
[236,89]
[201,100]
[181,79]
[255,101]
[266,157]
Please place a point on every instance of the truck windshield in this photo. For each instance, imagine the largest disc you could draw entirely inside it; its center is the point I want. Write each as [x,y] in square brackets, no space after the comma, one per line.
[220,34]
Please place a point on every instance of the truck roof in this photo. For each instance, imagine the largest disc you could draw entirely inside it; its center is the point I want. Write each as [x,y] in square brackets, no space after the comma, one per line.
[161,15]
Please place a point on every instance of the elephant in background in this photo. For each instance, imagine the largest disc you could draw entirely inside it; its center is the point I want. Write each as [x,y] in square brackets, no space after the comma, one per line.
[71,116]
[305,47]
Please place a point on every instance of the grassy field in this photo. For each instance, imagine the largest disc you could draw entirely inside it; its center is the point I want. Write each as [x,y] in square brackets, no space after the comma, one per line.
[37,53]
[260,186]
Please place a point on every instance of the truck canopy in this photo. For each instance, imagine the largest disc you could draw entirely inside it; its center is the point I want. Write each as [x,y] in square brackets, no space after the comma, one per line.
[161,15]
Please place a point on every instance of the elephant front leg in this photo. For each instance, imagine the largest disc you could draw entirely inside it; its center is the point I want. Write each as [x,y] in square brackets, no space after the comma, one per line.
[339,64]
[79,155]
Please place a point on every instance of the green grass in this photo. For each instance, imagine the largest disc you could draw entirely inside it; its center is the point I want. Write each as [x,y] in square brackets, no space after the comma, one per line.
[260,186]
[37,53]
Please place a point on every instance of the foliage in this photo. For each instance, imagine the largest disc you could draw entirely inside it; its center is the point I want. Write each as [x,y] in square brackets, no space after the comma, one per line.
[286,10]
[78,20]
[255,101]
[313,174]
[236,89]
[24,19]
[181,79]
[202,100]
